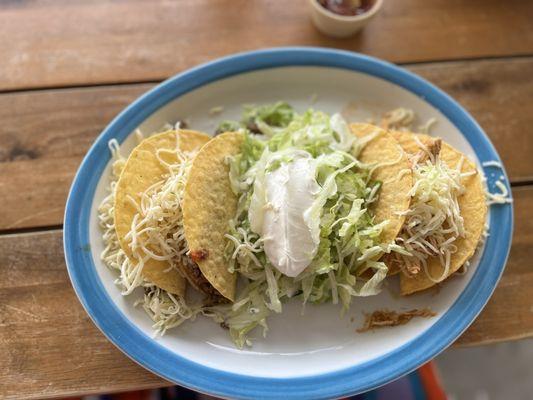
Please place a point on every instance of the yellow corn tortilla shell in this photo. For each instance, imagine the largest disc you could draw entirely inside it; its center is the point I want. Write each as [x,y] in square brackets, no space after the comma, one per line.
[142,170]
[208,205]
[396,177]
[473,210]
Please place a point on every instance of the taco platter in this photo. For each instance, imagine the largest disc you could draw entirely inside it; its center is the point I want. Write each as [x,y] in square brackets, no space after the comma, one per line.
[285,206]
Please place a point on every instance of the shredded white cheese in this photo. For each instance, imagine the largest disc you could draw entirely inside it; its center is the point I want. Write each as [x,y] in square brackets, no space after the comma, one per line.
[402,119]
[165,309]
[501,197]
[492,163]
[157,229]
[246,248]
[434,222]
[398,119]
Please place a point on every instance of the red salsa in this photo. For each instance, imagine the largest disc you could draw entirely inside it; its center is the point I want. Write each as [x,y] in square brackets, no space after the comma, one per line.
[347,7]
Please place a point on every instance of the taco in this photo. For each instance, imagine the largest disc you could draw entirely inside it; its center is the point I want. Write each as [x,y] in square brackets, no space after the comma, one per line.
[447,215]
[208,205]
[147,208]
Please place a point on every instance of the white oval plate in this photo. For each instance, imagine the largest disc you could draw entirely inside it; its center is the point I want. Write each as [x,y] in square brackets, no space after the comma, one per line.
[313,355]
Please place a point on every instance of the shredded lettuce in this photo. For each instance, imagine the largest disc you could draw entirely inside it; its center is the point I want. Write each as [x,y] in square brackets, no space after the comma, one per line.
[266,119]
[345,264]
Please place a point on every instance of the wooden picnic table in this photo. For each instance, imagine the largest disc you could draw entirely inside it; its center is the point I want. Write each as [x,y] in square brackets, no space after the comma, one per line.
[69,66]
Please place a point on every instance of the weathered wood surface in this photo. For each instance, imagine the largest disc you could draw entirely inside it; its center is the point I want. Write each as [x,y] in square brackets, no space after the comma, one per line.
[49,347]
[509,313]
[43,138]
[51,43]
[45,134]
[499,94]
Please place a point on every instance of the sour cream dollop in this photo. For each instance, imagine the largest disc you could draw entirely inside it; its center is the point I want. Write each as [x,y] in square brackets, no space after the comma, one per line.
[289,192]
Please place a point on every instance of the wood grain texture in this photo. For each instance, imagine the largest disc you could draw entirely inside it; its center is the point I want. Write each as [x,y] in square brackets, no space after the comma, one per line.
[71,42]
[509,312]
[499,95]
[48,345]
[43,138]
[44,134]
[50,348]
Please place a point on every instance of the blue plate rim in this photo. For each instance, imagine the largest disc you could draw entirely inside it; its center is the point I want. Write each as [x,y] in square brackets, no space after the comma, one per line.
[348,381]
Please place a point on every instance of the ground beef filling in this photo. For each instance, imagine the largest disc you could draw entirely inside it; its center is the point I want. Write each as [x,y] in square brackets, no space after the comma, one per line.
[195,277]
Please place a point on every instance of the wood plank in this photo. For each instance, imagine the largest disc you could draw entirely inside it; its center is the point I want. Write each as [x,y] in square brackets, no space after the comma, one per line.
[44,134]
[50,43]
[50,348]
[43,138]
